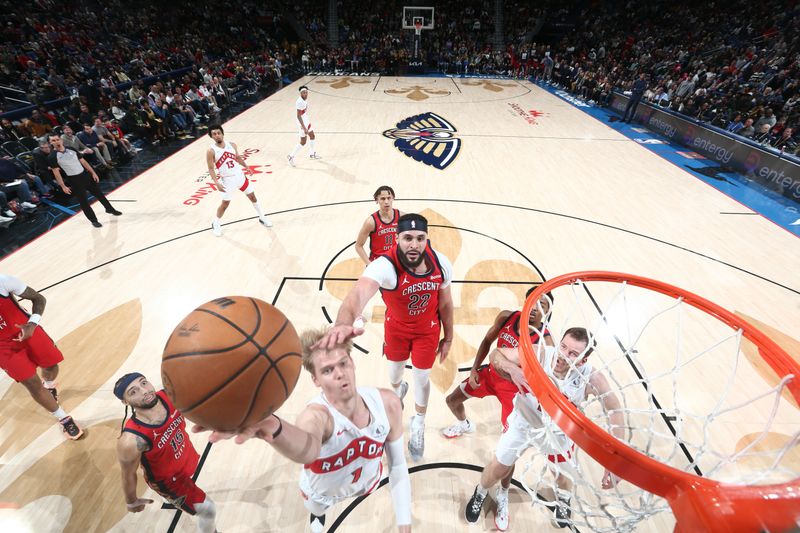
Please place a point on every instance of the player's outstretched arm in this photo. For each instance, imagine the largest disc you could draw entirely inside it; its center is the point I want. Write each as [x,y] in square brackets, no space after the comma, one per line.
[129,453]
[299,442]
[399,480]
[363,234]
[353,305]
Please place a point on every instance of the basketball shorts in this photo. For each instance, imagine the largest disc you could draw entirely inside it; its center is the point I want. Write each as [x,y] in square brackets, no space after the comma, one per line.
[421,344]
[231,183]
[308,126]
[490,383]
[180,490]
[20,359]
[526,429]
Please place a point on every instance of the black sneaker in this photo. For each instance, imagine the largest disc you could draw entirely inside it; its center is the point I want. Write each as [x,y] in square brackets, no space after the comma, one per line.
[71,429]
[563,513]
[317,523]
[114,212]
[473,510]
[96,224]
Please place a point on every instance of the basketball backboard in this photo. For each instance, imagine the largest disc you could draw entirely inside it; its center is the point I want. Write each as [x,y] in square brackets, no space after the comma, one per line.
[410,13]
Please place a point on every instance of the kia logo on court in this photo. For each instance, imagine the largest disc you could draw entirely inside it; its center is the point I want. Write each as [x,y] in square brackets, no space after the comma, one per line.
[428,138]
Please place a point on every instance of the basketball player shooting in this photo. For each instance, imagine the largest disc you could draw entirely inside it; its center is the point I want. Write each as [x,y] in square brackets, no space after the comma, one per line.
[305,129]
[225,167]
[155,438]
[339,437]
[414,280]
[528,426]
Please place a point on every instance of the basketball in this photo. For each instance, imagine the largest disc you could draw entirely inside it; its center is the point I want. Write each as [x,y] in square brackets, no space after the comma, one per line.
[231,362]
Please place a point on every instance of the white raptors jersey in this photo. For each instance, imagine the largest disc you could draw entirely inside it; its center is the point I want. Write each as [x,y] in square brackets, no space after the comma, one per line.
[302,106]
[225,161]
[349,462]
[573,386]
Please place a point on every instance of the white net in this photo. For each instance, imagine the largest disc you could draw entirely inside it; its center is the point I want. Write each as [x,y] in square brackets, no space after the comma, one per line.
[693,393]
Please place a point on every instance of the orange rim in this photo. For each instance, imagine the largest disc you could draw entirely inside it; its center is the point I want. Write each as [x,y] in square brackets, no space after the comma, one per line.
[696,502]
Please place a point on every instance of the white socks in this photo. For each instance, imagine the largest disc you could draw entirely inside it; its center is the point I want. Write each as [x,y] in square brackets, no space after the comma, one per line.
[311,146]
[59,413]
[296,149]
[257,207]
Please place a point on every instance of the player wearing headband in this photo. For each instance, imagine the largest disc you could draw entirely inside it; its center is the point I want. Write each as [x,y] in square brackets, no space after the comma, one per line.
[414,281]
[155,437]
[305,127]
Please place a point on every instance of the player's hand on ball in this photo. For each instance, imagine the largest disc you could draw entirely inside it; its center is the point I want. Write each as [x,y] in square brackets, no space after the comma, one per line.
[474,380]
[263,430]
[138,505]
[609,480]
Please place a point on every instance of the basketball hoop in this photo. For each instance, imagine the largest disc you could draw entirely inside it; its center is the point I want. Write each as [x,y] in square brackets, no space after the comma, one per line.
[710,483]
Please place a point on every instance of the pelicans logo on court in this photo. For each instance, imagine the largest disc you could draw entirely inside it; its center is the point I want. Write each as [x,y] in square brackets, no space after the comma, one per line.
[427,138]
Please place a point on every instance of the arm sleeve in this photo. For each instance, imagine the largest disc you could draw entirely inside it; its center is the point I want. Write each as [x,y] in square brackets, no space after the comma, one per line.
[382,271]
[399,481]
[447,270]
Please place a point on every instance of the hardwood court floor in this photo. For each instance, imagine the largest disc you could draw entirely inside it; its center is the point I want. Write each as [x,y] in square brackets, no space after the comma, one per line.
[536,189]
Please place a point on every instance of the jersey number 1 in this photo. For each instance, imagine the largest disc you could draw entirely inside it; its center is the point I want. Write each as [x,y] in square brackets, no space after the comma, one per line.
[356,474]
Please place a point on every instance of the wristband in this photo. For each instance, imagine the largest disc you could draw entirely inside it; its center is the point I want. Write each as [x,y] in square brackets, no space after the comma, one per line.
[280,428]
[34,318]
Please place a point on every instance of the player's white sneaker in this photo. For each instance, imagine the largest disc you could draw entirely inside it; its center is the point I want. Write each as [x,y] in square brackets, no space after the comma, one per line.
[458,429]
[416,442]
[291,160]
[265,222]
[314,156]
[501,517]
[216,228]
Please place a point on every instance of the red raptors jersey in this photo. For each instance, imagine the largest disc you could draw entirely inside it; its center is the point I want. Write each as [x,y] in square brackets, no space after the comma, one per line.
[414,302]
[385,235]
[11,314]
[171,452]
[509,333]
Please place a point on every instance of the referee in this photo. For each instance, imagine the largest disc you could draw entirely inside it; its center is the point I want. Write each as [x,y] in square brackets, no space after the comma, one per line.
[81,177]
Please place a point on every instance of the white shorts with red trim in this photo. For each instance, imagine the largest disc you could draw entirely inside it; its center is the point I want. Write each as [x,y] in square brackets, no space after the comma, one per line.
[308,126]
[232,183]
[527,429]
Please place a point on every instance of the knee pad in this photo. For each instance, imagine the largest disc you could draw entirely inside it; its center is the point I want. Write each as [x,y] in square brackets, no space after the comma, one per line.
[396,369]
[422,386]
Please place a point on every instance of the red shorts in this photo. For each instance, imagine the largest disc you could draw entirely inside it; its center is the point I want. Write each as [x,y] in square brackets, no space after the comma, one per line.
[421,344]
[180,491]
[20,359]
[490,383]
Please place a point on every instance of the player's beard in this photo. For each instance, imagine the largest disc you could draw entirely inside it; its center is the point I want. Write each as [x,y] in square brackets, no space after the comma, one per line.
[406,262]
[149,405]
